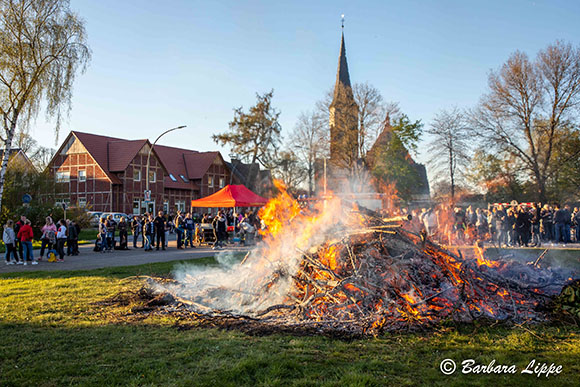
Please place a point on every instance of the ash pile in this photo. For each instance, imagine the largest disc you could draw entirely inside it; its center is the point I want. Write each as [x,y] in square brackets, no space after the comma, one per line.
[350,272]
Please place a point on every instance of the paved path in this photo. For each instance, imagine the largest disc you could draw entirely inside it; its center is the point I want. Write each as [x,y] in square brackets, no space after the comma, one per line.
[87,259]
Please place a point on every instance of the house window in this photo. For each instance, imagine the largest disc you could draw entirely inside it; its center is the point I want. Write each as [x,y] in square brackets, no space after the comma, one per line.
[222,182]
[180,205]
[136,175]
[136,207]
[210,181]
[82,175]
[59,202]
[172,178]
[166,207]
[183,178]
[152,177]
[62,177]
[82,202]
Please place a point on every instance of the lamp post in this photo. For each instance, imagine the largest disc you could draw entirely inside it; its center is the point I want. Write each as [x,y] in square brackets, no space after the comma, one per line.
[151,149]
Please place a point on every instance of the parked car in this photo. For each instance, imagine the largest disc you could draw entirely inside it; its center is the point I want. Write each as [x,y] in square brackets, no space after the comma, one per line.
[116,216]
[94,217]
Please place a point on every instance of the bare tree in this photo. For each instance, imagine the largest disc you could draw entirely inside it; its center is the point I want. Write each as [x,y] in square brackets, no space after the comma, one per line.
[527,101]
[449,148]
[289,170]
[309,141]
[371,115]
[39,155]
[372,110]
[43,44]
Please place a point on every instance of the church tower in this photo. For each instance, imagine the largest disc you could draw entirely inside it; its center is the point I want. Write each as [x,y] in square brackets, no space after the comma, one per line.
[343,117]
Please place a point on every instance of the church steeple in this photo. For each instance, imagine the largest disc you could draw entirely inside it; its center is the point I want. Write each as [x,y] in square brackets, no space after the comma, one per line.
[343,114]
[342,75]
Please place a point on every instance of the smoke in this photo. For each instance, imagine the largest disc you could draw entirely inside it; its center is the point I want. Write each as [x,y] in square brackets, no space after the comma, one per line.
[265,277]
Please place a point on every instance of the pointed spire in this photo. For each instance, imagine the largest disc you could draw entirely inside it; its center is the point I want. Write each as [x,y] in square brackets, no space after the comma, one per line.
[342,75]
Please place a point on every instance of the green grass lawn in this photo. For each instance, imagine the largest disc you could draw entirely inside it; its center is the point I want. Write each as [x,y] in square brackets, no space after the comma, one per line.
[52,333]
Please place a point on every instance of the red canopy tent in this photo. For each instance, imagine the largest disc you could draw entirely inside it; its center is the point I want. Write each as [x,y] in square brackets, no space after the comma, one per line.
[231,196]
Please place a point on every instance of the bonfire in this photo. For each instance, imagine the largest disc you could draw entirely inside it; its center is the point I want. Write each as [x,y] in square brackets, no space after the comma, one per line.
[337,267]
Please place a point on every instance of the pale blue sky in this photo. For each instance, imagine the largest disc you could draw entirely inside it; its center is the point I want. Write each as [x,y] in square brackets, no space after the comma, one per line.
[159,64]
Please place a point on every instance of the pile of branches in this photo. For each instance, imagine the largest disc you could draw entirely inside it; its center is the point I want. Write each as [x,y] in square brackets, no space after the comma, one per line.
[382,278]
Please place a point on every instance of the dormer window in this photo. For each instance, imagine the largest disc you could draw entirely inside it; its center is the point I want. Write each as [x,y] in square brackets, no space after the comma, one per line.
[173,179]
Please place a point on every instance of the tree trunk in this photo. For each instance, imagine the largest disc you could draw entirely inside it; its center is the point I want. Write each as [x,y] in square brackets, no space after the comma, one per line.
[542,196]
[310,188]
[451,173]
[7,147]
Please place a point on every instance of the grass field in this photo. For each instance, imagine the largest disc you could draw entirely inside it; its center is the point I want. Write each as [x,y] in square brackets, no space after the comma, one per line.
[52,333]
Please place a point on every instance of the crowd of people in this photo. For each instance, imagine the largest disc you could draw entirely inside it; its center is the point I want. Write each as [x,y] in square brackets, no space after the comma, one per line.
[152,232]
[60,239]
[502,225]
[511,225]
[18,238]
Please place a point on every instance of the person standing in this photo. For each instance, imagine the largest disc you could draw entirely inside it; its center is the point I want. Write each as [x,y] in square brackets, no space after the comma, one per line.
[546,223]
[9,237]
[123,234]
[72,239]
[159,223]
[17,245]
[136,229]
[111,227]
[179,229]
[567,223]
[576,221]
[25,235]
[168,227]
[189,230]
[78,231]
[61,236]
[220,228]
[560,222]
[535,220]
[148,233]
[501,226]
[103,236]
[48,238]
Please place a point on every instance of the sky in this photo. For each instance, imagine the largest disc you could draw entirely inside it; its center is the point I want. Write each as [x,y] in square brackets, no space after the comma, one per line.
[160,64]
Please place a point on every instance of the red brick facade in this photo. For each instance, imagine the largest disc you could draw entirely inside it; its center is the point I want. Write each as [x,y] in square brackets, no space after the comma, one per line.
[108,174]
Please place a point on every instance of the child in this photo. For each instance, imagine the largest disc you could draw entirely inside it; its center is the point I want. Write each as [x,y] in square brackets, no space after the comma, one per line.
[9,238]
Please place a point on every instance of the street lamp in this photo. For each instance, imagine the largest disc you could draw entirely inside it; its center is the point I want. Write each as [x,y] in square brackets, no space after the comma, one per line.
[151,149]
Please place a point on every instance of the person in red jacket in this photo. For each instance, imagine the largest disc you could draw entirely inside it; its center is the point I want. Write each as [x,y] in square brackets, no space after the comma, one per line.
[25,235]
